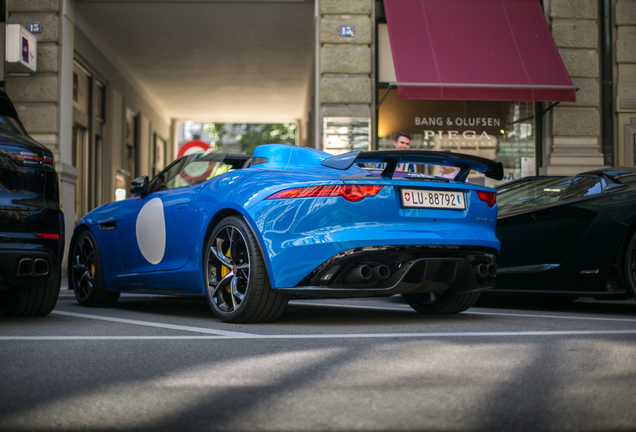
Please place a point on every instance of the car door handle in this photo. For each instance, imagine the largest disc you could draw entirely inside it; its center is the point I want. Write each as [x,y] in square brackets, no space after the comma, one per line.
[543,215]
[182,206]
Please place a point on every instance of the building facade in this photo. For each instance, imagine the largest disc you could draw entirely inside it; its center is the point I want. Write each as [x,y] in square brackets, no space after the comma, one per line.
[104,129]
[85,107]
[597,44]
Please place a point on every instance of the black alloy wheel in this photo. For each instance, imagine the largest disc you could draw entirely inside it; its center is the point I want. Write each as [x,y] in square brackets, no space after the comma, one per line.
[443,303]
[85,273]
[237,285]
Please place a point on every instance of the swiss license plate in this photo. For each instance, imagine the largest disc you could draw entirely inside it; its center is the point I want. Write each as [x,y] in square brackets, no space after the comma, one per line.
[424,198]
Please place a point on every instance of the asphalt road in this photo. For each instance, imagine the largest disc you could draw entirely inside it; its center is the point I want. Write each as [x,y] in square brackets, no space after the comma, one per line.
[166,363]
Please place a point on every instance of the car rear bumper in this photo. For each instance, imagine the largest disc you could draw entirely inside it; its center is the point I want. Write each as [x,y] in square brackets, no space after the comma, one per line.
[389,270]
[20,267]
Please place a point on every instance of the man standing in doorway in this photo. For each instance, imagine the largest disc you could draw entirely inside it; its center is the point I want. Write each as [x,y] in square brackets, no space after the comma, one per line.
[402,141]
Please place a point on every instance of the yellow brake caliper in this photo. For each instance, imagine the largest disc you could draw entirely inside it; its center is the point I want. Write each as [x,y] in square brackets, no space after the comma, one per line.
[226,270]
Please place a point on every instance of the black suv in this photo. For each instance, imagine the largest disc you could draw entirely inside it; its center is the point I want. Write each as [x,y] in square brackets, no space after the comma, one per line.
[31,220]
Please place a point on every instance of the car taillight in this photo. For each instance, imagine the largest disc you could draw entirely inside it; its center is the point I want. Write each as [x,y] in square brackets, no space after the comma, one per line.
[25,157]
[349,192]
[47,236]
[48,162]
[489,198]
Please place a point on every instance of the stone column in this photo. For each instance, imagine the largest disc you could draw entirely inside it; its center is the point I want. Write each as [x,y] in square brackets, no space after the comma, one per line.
[344,63]
[574,131]
[625,67]
[38,97]
[35,97]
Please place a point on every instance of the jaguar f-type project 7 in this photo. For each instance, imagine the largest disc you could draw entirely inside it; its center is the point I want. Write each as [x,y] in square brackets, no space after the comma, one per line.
[252,232]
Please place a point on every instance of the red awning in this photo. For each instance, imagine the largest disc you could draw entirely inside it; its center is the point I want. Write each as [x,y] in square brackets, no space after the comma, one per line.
[475,50]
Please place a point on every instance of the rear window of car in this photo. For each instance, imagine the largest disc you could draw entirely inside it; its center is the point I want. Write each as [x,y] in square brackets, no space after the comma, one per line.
[10,124]
[585,186]
[530,195]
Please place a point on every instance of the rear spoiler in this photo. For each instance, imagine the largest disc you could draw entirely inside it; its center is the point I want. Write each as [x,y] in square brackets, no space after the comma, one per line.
[392,158]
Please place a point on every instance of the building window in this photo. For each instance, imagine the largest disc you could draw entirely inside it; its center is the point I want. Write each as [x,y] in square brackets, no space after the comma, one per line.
[502,131]
[88,124]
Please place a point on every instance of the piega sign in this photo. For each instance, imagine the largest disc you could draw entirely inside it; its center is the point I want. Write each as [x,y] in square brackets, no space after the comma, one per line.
[447,131]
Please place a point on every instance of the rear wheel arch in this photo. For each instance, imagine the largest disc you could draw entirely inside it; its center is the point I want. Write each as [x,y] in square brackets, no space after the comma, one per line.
[628,254]
[622,250]
[236,281]
[77,231]
[218,217]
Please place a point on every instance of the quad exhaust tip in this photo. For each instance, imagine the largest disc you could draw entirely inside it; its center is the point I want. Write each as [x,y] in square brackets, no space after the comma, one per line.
[33,267]
[380,272]
[485,270]
[365,274]
[359,274]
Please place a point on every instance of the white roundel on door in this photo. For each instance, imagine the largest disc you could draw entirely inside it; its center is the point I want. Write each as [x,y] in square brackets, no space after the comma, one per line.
[151,231]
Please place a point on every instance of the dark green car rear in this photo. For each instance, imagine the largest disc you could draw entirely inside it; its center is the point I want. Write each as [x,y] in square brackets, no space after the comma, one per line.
[569,237]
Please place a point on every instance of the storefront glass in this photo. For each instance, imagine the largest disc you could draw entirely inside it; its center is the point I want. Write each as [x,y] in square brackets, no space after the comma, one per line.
[502,131]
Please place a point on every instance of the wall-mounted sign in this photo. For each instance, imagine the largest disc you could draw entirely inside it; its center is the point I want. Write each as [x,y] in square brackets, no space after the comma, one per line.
[528,166]
[21,50]
[346,31]
[345,134]
[34,27]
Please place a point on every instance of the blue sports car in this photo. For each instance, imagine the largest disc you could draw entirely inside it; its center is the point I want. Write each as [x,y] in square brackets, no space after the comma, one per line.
[292,222]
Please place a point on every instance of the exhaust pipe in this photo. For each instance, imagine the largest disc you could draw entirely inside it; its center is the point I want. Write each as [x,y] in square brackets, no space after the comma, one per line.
[492,270]
[380,272]
[25,267]
[359,274]
[33,267]
[480,270]
[41,267]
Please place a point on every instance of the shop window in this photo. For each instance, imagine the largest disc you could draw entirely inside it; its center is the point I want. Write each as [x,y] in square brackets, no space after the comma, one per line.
[99,92]
[159,154]
[88,122]
[502,131]
[130,147]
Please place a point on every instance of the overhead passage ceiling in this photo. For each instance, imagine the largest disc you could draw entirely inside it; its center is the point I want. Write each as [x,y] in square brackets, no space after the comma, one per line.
[238,61]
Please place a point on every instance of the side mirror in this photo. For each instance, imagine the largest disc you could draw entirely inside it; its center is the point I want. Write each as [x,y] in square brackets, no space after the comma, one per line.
[139,186]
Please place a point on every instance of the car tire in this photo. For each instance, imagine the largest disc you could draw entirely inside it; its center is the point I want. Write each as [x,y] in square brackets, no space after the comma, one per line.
[446,303]
[236,281]
[629,266]
[86,275]
[34,300]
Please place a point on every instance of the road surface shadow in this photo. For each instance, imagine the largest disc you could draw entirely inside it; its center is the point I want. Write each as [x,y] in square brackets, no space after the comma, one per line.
[557,304]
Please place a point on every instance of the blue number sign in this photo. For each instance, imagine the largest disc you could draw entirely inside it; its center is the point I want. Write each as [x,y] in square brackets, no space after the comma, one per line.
[346,31]
[35,27]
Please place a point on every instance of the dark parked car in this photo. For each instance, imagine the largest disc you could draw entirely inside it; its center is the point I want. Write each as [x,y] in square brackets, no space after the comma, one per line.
[31,220]
[569,236]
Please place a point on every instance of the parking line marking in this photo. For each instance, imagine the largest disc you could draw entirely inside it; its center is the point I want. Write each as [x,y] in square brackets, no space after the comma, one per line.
[469,312]
[155,324]
[554,316]
[329,336]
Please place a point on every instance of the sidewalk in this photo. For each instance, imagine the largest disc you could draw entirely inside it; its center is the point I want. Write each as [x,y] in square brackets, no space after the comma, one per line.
[64,285]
